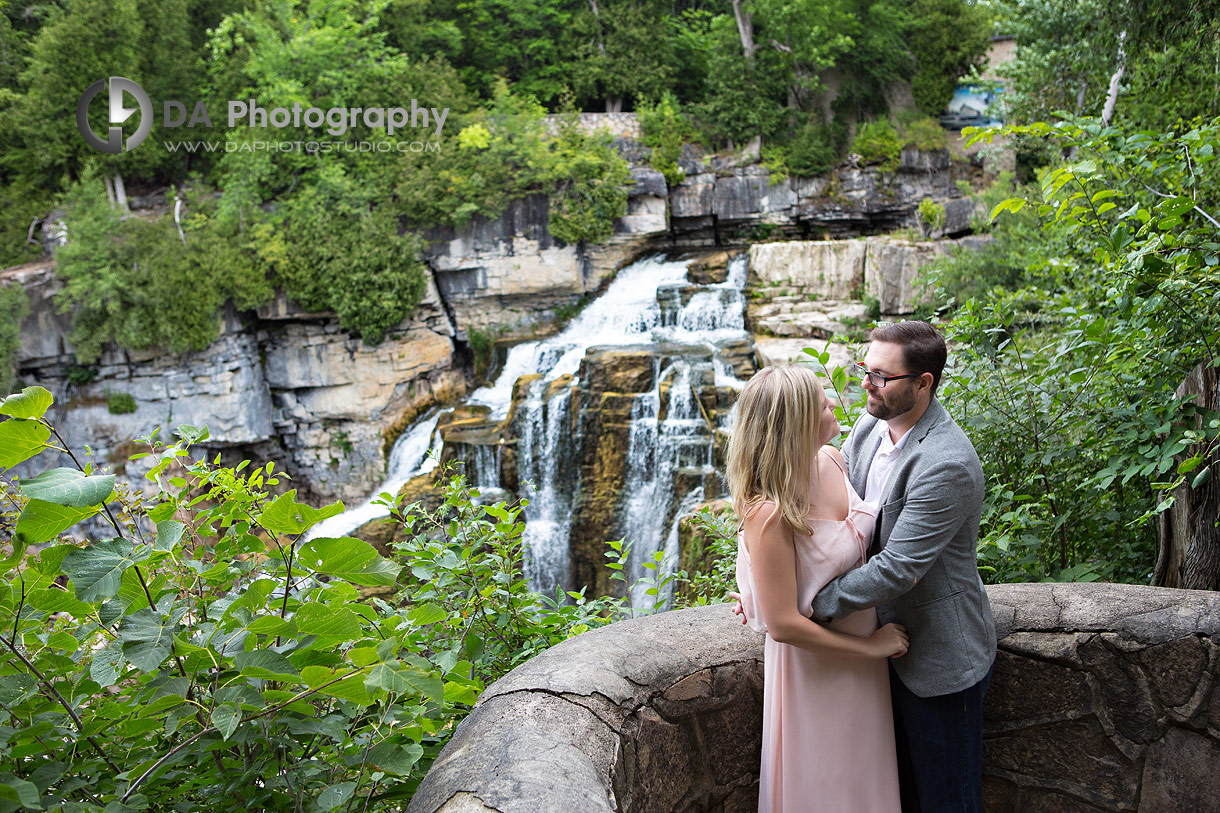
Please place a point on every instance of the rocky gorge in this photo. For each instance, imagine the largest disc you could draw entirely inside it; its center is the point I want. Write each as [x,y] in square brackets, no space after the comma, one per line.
[732,269]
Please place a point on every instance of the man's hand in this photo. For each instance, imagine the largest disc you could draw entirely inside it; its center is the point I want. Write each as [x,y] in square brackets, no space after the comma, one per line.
[737,608]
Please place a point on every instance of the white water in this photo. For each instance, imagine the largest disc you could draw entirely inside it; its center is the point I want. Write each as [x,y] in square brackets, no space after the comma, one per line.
[409,458]
[627,313]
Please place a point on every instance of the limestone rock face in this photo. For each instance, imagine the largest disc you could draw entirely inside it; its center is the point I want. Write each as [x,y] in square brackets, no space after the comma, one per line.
[286,386]
[1104,697]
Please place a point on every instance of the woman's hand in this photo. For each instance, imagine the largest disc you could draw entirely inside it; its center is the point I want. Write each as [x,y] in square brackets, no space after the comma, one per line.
[737,608]
[891,641]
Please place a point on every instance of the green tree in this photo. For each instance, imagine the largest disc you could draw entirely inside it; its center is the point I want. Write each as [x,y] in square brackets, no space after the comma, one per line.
[144,40]
[123,279]
[619,56]
[948,38]
[1068,382]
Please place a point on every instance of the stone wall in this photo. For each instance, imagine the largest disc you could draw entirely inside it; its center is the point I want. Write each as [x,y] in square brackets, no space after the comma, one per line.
[1104,697]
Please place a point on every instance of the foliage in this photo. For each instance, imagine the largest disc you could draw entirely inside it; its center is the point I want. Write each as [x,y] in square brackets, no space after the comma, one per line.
[204,652]
[124,278]
[14,307]
[482,346]
[120,403]
[811,151]
[1068,52]
[616,53]
[19,207]
[948,38]
[502,155]
[923,133]
[931,214]
[592,181]
[1066,384]
[877,142]
[712,544]
[146,40]
[665,131]
[331,250]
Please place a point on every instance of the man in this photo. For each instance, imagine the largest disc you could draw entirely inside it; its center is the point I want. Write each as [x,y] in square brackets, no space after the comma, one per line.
[909,458]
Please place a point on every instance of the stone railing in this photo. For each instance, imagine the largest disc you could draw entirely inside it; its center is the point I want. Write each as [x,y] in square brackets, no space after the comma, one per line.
[1104,697]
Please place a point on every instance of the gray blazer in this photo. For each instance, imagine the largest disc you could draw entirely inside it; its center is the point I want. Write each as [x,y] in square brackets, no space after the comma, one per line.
[923,567]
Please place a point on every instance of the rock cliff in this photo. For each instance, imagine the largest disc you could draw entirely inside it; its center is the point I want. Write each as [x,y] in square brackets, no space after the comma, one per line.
[291,386]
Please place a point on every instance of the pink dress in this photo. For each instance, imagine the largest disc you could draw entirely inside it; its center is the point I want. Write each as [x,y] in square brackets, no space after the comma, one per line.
[828,730]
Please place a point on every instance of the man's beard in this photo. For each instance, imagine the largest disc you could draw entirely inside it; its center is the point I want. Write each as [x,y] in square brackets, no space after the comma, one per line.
[892,407]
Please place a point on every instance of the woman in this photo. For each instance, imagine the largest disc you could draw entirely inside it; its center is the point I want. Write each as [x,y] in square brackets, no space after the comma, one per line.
[828,734]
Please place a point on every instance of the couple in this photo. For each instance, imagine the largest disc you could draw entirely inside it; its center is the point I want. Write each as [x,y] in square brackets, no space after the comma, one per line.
[851,719]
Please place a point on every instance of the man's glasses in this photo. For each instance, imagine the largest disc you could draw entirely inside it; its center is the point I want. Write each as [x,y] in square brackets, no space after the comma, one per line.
[877,379]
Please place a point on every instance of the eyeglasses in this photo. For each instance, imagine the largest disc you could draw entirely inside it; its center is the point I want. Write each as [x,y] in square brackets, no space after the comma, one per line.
[877,379]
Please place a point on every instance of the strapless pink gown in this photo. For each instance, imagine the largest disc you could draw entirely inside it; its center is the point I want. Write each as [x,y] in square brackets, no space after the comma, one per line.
[828,729]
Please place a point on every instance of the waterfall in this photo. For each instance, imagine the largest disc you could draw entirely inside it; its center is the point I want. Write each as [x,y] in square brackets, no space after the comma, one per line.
[409,457]
[659,449]
[649,302]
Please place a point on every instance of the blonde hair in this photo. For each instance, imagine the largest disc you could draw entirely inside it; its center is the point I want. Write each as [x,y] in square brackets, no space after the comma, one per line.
[775,441]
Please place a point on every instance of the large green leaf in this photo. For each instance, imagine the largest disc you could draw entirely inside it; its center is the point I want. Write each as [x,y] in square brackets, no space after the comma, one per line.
[21,440]
[348,558]
[336,795]
[69,487]
[169,534]
[148,637]
[336,622]
[97,571]
[397,677]
[55,600]
[226,718]
[266,665]
[20,791]
[31,402]
[287,516]
[396,758]
[41,521]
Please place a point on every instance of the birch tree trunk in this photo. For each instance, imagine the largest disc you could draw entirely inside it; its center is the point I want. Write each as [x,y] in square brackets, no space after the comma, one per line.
[745,27]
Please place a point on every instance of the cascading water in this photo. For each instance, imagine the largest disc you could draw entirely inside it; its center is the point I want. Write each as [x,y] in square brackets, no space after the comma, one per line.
[409,458]
[659,447]
[649,303]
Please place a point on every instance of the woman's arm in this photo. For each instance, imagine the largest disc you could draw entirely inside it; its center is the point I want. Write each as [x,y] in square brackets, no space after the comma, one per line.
[773,560]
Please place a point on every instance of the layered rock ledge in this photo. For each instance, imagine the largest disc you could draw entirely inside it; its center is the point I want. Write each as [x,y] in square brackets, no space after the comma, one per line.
[1104,697]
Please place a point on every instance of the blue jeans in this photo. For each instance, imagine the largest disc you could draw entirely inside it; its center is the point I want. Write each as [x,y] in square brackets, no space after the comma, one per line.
[940,748]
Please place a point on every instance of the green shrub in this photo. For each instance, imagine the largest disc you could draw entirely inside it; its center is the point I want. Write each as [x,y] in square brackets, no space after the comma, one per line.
[924,133]
[877,142]
[137,283]
[666,130]
[775,160]
[203,654]
[812,149]
[591,180]
[332,250]
[19,207]
[120,403]
[931,214]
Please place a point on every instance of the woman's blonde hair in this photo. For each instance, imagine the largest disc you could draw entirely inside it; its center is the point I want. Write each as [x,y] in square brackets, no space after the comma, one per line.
[775,441]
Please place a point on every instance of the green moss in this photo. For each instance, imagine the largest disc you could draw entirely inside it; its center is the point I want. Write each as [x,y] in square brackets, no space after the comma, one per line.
[120,403]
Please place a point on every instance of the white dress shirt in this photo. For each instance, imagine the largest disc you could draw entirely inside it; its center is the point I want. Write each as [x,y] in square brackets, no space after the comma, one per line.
[883,463]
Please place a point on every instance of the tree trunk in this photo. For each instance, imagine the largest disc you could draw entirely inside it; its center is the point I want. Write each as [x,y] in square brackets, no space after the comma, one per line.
[120,192]
[614,104]
[1112,94]
[745,27]
[1188,552]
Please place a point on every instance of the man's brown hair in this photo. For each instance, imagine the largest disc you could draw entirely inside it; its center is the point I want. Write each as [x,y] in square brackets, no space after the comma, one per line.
[923,348]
